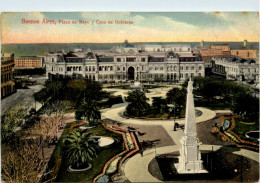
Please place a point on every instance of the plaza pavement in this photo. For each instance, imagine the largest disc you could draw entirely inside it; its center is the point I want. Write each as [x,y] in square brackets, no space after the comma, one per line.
[136,168]
[21,97]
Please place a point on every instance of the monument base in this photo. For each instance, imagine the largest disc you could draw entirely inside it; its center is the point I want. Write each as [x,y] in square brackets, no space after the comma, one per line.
[194,167]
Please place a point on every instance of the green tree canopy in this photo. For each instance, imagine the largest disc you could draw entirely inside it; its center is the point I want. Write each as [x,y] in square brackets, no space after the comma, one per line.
[159,105]
[88,109]
[138,105]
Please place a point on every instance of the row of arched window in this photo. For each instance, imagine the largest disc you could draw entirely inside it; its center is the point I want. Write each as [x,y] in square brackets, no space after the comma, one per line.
[105,68]
[79,68]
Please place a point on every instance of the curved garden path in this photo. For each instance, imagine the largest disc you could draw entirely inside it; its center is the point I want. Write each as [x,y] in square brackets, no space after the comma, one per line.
[117,115]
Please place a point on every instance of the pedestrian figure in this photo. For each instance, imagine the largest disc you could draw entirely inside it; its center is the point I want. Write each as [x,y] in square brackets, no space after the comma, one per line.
[141,152]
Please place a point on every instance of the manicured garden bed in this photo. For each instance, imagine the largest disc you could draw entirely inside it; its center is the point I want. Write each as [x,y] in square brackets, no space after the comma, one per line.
[103,155]
[242,128]
[163,116]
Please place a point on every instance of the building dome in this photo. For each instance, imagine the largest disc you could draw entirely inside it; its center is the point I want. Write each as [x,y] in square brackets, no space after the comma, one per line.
[170,54]
[90,55]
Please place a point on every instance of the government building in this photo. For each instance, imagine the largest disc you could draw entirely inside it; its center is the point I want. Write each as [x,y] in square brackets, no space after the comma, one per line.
[122,64]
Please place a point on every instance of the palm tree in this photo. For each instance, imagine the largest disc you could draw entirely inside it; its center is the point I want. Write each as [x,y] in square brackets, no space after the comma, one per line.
[78,149]
[137,103]
[88,109]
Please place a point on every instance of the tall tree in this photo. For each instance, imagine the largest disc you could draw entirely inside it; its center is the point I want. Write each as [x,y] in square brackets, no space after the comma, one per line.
[138,105]
[177,96]
[159,105]
[88,109]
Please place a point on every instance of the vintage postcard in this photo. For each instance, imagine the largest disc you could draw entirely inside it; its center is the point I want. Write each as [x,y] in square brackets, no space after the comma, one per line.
[129,96]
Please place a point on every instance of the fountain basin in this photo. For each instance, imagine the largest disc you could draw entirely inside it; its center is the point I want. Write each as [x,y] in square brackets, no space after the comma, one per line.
[253,135]
[102,141]
[81,170]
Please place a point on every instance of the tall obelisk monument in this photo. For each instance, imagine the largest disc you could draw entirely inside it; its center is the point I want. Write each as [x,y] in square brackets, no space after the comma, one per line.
[190,158]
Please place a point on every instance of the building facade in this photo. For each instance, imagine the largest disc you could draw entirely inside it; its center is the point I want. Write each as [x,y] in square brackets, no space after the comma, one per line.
[7,83]
[126,64]
[236,69]
[25,62]
[246,53]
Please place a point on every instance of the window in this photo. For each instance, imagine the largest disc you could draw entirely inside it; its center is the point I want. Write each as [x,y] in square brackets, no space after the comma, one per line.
[118,68]
[118,59]
[111,68]
[200,74]
[123,68]
[80,68]
[143,60]
[161,68]
[181,68]
[192,68]
[52,59]
[89,68]
[187,67]
[100,68]
[93,68]
[200,67]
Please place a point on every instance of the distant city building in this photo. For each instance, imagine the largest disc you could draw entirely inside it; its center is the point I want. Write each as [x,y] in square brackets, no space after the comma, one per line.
[236,69]
[207,53]
[25,62]
[246,54]
[146,63]
[224,51]
[7,83]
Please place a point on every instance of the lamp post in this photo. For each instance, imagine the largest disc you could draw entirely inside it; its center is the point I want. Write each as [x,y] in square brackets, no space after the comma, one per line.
[174,116]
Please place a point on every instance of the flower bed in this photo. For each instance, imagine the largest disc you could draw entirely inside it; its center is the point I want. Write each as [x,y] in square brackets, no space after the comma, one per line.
[228,134]
[112,167]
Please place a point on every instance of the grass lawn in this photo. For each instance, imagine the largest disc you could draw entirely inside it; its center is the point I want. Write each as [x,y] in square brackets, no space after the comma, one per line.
[214,105]
[241,128]
[104,154]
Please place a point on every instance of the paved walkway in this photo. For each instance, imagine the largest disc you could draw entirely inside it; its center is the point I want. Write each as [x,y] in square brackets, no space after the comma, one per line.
[22,96]
[136,168]
[117,115]
[156,92]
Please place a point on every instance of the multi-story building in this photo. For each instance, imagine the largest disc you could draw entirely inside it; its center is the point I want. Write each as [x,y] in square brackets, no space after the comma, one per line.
[244,53]
[236,69]
[28,62]
[207,53]
[126,64]
[7,83]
